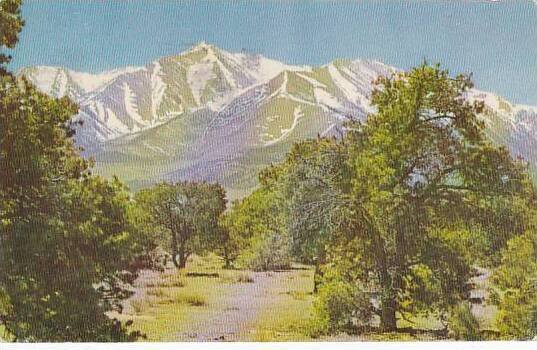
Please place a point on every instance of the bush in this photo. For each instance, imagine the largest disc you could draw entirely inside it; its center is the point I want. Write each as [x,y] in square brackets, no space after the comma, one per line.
[172,283]
[157,292]
[340,307]
[140,305]
[244,278]
[271,252]
[462,323]
[191,299]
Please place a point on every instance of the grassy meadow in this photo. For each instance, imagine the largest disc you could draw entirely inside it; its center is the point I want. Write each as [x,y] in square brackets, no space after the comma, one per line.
[205,302]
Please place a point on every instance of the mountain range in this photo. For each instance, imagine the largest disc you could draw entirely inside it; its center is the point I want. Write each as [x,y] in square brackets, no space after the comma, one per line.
[208,114]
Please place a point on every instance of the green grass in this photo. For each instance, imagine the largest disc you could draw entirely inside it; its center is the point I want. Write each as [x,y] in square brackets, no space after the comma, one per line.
[157,292]
[191,299]
[173,305]
[293,302]
[173,301]
[237,277]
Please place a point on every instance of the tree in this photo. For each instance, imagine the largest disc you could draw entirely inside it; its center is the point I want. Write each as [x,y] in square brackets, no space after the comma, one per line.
[10,26]
[66,245]
[405,200]
[257,225]
[421,165]
[65,239]
[189,212]
[514,289]
[313,179]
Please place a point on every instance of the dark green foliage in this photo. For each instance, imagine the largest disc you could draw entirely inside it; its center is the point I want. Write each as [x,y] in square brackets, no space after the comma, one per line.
[514,289]
[66,241]
[185,214]
[67,247]
[462,323]
[340,307]
[10,26]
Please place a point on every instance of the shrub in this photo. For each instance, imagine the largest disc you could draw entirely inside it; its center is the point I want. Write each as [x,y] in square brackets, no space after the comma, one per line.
[139,305]
[157,292]
[237,278]
[462,323]
[244,278]
[340,307]
[271,252]
[191,299]
[175,283]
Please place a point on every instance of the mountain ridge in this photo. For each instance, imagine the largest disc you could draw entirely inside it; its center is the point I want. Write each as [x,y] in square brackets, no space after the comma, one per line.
[214,115]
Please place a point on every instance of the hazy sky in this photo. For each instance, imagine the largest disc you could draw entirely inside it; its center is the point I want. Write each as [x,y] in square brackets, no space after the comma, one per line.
[497,41]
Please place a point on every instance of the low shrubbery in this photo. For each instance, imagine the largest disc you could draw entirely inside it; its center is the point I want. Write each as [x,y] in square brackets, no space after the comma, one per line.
[191,299]
[266,253]
[462,324]
[340,307]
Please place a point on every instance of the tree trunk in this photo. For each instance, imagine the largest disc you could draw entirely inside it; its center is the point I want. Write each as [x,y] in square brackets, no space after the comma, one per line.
[318,273]
[174,250]
[183,257]
[174,260]
[316,278]
[388,320]
[388,300]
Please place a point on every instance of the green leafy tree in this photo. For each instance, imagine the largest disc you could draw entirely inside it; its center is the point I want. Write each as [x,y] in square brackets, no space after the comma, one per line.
[232,239]
[514,289]
[421,165]
[66,246]
[404,202]
[65,239]
[10,26]
[257,225]
[314,179]
[189,212]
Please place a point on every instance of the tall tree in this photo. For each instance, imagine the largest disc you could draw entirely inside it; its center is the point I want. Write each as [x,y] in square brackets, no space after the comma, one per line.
[66,248]
[63,231]
[189,212]
[415,190]
[421,165]
[10,26]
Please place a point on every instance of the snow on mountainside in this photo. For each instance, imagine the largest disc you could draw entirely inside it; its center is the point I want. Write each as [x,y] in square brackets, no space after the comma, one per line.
[220,116]
[121,102]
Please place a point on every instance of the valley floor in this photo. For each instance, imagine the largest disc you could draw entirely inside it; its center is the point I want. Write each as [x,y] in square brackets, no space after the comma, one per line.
[205,302]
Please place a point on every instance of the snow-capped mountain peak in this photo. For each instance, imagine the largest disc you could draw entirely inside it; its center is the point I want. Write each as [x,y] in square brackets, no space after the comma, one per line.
[207,107]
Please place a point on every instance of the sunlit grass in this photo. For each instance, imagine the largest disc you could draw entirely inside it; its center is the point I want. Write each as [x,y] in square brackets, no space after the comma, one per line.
[174,301]
[290,315]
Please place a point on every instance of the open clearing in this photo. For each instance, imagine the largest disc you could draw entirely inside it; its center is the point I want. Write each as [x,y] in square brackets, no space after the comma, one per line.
[205,302]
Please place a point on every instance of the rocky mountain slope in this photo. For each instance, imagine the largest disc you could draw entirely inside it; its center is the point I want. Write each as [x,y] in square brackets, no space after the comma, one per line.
[219,116]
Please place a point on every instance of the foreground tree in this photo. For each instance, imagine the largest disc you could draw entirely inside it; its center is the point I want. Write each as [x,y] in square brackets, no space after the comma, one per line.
[66,245]
[10,26]
[421,167]
[405,201]
[65,240]
[188,212]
